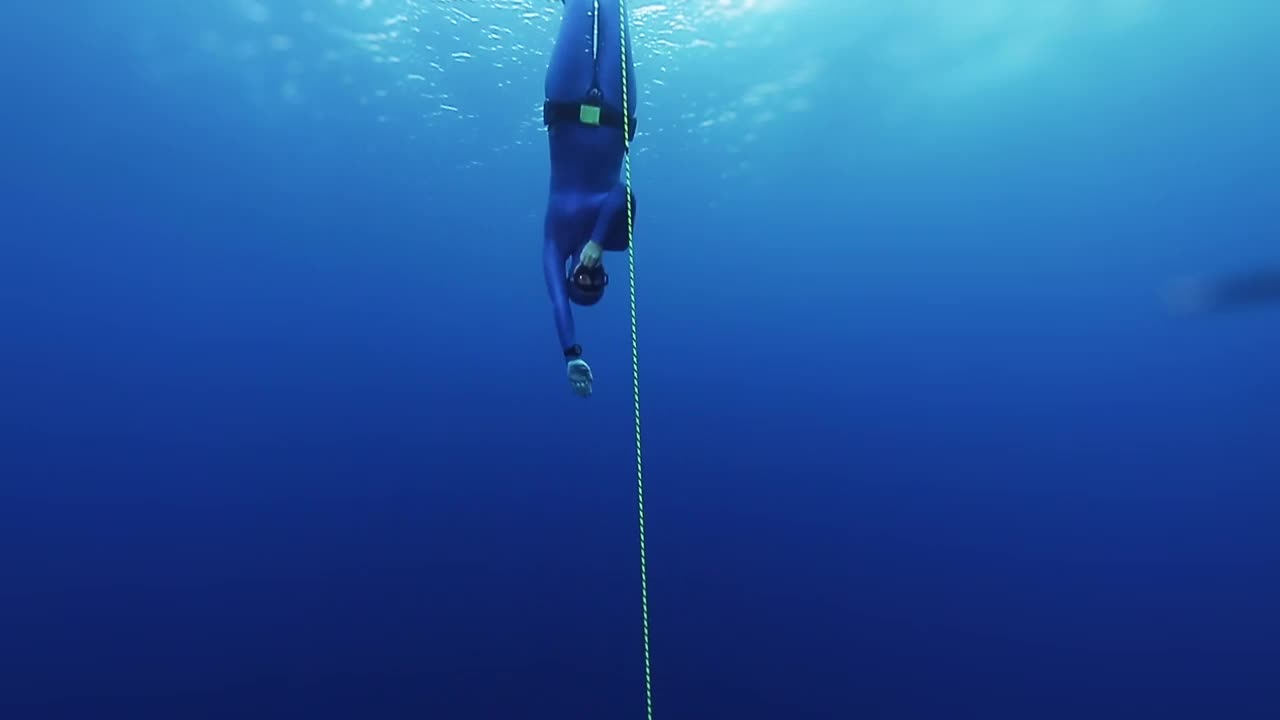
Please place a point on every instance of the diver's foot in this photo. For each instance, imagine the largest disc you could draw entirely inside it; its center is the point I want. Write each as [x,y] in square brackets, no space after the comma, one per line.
[580,377]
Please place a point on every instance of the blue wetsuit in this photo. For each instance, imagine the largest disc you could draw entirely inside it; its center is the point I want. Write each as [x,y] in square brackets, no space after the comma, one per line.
[588,200]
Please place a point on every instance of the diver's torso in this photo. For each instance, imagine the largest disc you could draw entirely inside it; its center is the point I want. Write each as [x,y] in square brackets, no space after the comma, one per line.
[584,158]
[585,165]
[571,217]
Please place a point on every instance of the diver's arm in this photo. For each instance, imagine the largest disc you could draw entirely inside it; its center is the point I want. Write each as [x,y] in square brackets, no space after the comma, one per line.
[558,291]
[612,226]
[579,372]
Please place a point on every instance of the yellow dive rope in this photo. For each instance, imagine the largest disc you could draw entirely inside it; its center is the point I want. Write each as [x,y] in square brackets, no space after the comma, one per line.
[635,357]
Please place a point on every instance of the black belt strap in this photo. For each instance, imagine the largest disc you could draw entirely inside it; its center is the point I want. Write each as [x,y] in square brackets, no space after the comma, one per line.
[562,112]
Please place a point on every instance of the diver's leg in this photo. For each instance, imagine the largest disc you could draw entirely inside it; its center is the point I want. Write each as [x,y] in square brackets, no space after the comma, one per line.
[613,14]
[572,68]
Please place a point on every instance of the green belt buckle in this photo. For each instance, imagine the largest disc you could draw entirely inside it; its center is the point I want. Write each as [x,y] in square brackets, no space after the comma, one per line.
[589,114]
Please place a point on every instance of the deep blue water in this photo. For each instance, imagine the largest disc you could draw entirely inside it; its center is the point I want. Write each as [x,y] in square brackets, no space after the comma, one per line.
[286,432]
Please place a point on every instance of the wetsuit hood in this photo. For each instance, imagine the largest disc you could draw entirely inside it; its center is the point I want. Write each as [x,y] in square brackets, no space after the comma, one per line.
[586,285]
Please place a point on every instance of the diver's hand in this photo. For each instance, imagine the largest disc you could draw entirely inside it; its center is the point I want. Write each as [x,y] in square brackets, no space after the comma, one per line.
[580,377]
[590,256]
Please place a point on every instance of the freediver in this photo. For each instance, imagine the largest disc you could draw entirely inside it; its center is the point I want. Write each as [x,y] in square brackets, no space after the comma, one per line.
[587,205]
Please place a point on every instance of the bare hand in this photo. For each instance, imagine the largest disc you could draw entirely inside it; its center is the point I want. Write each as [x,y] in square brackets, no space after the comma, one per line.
[591,253]
[580,377]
